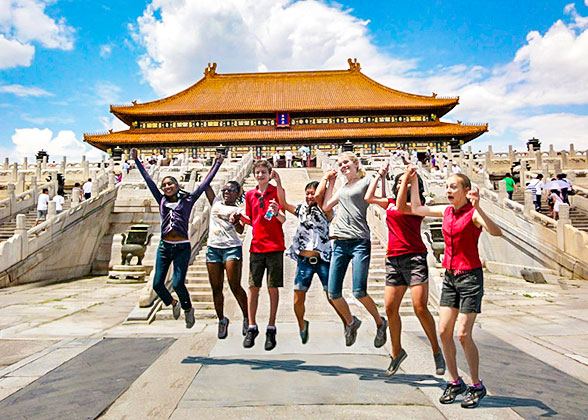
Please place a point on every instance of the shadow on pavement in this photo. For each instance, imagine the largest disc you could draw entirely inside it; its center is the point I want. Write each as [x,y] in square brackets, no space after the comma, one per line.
[513,402]
[365,374]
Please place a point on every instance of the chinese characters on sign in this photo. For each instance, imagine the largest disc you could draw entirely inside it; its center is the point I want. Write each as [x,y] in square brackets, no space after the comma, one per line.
[283,119]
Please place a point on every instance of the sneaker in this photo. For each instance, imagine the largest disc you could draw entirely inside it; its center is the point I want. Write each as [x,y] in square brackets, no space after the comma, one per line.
[395,363]
[270,339]
[189,314]
[380,339]
[473,396]
[245,326]
[451,391]
[249,340]
[223,328]
[304,333]
[351,331]
[439,363]
[176,309]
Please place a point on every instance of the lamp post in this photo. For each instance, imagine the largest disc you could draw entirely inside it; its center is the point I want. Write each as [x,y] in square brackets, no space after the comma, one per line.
[348,146]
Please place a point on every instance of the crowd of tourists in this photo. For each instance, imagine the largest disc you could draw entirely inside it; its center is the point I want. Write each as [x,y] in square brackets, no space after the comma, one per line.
[325,250]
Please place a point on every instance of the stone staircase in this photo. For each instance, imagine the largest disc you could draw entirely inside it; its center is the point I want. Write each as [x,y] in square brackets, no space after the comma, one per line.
[579,218]
[8,227]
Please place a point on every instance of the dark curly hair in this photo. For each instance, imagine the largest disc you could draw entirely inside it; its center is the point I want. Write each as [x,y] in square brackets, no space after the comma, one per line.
[421,188]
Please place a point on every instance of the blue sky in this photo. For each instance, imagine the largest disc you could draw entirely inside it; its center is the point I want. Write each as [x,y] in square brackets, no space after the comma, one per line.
[522,68]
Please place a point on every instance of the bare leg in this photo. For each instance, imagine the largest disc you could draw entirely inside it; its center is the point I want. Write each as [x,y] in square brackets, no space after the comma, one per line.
[371,307]
[393,298]
[252,301]
[420,298]
[335,308]
[447,318]
[465,324]
[342,309]
[216,278]
[299,298]
[234,277]
[274,295]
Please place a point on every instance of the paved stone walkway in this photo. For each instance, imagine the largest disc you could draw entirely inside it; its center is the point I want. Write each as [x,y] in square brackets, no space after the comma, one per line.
[532,340]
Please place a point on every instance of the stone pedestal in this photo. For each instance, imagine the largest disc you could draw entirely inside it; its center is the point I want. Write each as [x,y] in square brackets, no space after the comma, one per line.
[122,274]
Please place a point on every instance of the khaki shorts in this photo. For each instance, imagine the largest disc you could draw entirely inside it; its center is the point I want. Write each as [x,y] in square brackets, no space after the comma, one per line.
[273,262]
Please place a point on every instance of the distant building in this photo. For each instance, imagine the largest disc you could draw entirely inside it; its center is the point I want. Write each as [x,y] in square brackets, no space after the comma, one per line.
[285,110]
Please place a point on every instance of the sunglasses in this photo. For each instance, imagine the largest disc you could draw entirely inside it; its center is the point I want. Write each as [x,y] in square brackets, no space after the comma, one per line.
[229,189]
[261,203]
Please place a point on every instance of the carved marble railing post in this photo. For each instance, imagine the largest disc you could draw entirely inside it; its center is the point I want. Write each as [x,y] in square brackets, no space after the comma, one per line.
[529,204]
[12,197]
[25,163]
[539,161]
[35,189]
[75,198]
[563,220]
[545,171]
[551,151]
[63,165]
[38,171]
[44,162]
[85,168]
[564,159]
[111,181]
[6,163]
[51,210]
[501,192]
[572,150]
[511,155]
[15,172]
[556,167]
[20,184]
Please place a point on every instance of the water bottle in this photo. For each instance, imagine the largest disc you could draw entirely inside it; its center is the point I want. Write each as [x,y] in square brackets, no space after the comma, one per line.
[269,214]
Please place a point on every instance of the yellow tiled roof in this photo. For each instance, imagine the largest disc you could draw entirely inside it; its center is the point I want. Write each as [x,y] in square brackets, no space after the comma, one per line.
[304,91]
[137,137]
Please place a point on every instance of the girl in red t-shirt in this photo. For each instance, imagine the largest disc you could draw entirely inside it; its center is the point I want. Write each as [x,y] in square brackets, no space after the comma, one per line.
[463,286]
[406,266]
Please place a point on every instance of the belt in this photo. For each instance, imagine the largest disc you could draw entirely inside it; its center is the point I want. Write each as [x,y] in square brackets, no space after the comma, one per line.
[458,272]
[310,260]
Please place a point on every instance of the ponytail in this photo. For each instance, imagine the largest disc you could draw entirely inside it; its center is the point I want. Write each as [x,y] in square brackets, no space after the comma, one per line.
[361,172]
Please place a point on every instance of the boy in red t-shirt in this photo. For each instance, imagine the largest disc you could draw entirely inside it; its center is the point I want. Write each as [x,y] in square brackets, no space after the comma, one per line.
[264,214]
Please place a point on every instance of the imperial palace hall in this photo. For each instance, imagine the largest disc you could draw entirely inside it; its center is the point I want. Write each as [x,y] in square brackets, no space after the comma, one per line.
[287,110]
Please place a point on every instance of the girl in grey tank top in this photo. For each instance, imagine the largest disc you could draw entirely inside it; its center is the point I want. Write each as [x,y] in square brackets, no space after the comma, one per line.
[351,244]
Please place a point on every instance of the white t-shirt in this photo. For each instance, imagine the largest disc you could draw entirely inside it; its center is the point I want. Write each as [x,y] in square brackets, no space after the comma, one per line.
[536,186]
[43,203]
[455,169]
[221,232]
[87,187]
[557,201]
[288,155]
[59,200]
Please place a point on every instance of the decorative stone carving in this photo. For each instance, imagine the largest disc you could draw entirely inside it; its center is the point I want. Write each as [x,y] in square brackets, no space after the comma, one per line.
[134,244]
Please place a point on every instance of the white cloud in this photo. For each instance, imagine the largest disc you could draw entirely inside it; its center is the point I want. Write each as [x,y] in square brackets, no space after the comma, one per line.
[105,50]
[113,123]
[107,93]
[45,120]
[23,22]
[13,53]
[20,90]
[549,70]
[28,141]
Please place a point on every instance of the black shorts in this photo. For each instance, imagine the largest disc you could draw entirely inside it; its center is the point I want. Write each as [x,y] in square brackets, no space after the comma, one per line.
[273,262]
[463,291]
[407,270]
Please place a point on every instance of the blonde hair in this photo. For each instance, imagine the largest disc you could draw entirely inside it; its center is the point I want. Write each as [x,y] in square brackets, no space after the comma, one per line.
[351,156]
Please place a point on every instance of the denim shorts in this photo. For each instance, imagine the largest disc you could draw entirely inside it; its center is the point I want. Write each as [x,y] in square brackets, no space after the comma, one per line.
[222,255]
[356,251]
[306,270]
[407,270]
[463,291]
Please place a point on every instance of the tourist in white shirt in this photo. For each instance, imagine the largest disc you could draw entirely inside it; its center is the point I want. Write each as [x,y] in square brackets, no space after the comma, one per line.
[289,155]
[276,159]
[59,200]
[455,169]
[87,188]
[42,206]
[536,186]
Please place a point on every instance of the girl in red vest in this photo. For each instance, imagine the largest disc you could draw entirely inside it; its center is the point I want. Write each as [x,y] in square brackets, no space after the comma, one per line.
[463,286]
[406,266]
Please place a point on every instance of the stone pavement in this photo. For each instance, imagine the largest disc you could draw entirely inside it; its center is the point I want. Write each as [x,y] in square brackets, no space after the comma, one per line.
[532,341]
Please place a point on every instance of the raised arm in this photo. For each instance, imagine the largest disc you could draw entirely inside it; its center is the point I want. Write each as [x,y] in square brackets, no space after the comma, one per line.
[150,183]
[370,194]
[210,194]
[281,193]
[330,199]
[480,217]
[209,177]
[319,197]
[416,207]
